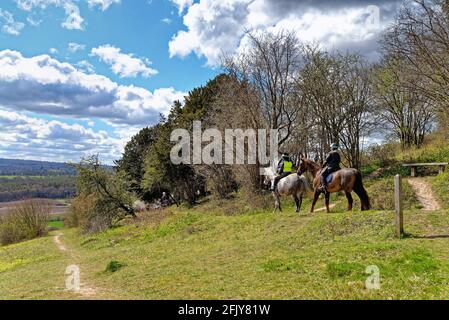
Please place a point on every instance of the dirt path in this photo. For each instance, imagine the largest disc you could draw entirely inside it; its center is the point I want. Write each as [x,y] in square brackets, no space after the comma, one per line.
[59,244]
[331,206]
[424,193]
[84,290]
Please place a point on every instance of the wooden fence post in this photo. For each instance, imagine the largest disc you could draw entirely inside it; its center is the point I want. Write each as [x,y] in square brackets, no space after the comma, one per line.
[399,218]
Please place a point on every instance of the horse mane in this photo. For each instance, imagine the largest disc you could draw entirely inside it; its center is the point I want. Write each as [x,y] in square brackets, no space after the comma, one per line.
[312,163]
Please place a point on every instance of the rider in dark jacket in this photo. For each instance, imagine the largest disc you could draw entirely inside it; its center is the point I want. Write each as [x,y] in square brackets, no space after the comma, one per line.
[284,169]
[331,165]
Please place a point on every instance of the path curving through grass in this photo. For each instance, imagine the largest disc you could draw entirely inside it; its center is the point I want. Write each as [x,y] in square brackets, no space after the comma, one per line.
[424,194]
[86,291]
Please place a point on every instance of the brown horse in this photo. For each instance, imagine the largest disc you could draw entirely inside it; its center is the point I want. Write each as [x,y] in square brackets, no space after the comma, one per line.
[346,180]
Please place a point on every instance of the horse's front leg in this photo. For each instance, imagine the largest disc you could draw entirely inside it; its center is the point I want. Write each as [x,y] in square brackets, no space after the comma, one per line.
[328,197]
[315,200]
[350,200]
[277,204]
[296,199]
[300,202]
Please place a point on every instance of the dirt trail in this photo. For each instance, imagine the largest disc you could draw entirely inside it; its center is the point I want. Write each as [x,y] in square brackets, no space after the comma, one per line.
[331,206]
[59,244]
[84,290]
[424,193]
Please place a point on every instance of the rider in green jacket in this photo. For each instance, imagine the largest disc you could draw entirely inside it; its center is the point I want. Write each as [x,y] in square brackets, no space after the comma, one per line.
[284,169]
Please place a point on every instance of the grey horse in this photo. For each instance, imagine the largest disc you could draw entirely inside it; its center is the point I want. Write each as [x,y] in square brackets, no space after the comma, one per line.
[293,185]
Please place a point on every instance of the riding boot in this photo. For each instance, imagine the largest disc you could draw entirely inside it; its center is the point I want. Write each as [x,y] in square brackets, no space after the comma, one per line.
[273,185]
[323,187]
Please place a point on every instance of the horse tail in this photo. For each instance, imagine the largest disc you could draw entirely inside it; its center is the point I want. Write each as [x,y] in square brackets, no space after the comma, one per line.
[360,190]
[306,182]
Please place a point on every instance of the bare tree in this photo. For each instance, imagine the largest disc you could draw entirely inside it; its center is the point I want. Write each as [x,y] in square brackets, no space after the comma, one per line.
[269,66]
[238,106]
[338,91]
[261,94]
[420,37]
[409,113]
[359,121]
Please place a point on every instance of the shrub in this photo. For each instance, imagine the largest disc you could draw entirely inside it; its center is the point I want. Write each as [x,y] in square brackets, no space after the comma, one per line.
[103,199]
[441,187]
[114,266]
[81,209]
[27,220]
[92,214]
[381,194]
[381,155]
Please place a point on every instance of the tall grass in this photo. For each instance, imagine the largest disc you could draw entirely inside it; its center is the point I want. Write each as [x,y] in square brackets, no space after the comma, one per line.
[440,185]
[381,194]
[27,220]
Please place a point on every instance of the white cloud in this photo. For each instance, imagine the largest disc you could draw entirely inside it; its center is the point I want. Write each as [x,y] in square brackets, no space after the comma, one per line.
[34,21]
[25,137]
[10,26]
[217,27]
[103,4]
[53,50]
[74,47]
[124,65]
[44,85]
[182,5]
[86,66]
[73,19]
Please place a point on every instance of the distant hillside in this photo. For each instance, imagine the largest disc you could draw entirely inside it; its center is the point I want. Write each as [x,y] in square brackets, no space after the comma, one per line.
[11,167]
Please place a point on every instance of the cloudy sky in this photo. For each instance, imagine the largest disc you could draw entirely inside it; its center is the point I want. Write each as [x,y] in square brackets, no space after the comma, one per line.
[79,77]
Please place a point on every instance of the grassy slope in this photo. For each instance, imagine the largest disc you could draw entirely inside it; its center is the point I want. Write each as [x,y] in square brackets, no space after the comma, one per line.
[440,186]
[33,269]
[205,254]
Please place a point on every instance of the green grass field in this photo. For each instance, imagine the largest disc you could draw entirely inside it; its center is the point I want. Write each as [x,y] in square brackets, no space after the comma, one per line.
[220,252]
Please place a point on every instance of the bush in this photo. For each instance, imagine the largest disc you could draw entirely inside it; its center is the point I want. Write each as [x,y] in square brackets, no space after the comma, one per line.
[103,199]
[440,185]
[114,266]
[80,211]
[381,155]
[26,221]
[381,194]
[93,214]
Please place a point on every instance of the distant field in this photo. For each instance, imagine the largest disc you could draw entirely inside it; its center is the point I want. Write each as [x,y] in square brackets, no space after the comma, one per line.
[58,206]
[15,188]
[22,177]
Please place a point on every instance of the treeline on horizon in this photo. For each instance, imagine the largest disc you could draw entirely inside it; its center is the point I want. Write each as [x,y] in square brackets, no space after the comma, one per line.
[14,167]
[16,188]
[312,97]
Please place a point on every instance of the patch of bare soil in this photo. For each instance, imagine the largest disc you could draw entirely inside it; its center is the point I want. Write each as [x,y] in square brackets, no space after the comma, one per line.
[424,194]
[57,207]
[84,290]
[331,206]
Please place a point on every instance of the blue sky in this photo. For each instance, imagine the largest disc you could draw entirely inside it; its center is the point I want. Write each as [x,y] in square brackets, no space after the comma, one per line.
[79,77]
[134,26]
